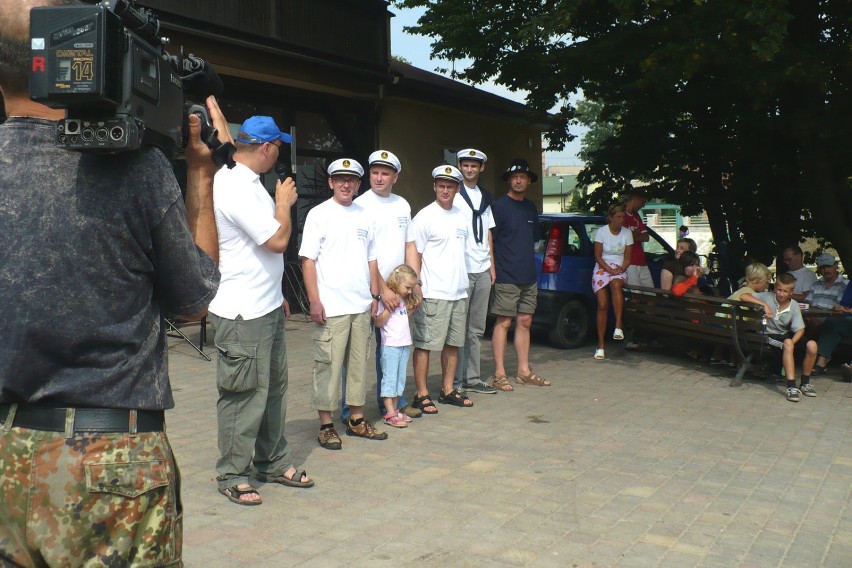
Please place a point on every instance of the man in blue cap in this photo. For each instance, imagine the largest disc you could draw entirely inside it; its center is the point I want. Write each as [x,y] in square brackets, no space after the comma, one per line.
[249,312]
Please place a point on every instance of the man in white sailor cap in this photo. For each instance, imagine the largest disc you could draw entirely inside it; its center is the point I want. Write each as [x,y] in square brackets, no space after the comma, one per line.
[390,215]
[435,250]
[341,276]
[475,202]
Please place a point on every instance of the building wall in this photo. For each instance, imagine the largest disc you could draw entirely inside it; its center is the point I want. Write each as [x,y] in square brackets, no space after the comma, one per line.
[418,133]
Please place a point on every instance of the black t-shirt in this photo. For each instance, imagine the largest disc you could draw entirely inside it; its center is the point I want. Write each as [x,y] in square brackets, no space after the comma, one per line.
[515,234]
[93,249]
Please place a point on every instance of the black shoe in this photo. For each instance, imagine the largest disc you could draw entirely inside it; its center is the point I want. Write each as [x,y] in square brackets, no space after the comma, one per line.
[479,387]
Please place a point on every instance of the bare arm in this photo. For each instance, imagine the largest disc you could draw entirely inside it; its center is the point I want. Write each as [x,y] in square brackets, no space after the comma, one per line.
[599,257]
[285,197]
[627,255]
[797,336]
[200,170]
[389,298]
[415,261]
[381,319]
[309,275]
[752,300]
[375,285]
[640,236]
[666,279]
[493,269]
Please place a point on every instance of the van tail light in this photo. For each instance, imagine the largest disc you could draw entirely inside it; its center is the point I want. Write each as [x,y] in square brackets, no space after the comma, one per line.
[553,251]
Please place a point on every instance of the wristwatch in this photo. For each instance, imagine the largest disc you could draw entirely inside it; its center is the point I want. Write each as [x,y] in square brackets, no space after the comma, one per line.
[377,297]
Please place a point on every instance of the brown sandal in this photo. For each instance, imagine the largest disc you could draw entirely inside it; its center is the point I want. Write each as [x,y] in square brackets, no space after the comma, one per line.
[502,383]
[532,379]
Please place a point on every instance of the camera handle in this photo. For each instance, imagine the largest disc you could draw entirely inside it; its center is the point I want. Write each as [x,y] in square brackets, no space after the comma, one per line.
[223,153]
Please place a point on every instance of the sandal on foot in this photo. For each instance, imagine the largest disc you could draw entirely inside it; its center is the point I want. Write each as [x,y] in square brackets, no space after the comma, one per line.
[599,354]
[396,420]
[502,383]
[234,493]
[295,480]
[532,379]
[455,398]
[618,334]
[404,416]
[425,404]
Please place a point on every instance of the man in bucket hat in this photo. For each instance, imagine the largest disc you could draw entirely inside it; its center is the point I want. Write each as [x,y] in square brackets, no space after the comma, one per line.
[515,289]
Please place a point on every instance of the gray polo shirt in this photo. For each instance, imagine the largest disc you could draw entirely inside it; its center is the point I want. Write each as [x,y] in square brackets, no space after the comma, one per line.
[783,321]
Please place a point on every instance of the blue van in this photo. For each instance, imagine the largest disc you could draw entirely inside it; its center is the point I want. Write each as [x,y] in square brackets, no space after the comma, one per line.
[564,263]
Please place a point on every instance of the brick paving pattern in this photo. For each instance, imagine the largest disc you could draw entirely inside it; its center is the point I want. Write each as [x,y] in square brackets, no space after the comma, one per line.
[647,460]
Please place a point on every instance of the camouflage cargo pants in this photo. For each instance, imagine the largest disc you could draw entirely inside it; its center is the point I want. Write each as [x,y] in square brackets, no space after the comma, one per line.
[89,500]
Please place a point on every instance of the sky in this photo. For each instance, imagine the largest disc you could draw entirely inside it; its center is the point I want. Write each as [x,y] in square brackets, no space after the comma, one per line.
[416,49]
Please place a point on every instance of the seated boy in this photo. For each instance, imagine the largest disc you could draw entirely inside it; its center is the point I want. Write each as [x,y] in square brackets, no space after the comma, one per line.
[757,277]
[784,328]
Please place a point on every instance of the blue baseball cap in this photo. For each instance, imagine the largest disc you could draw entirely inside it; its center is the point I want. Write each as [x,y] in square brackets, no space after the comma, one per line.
[260,129]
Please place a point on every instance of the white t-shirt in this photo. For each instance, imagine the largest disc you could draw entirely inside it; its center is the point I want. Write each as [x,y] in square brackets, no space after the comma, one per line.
[805,280]
[613,245]
[390,216]
[340,240]
[440,237]
[477,257]
[245,218]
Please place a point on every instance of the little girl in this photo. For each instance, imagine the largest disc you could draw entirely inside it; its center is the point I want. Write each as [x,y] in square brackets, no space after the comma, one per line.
[396,342]
[690,264]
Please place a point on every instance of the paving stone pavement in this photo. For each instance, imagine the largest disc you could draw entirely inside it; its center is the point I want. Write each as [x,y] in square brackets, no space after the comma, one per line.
[646,460]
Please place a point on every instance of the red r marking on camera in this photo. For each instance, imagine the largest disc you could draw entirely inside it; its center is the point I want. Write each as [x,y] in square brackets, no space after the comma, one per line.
[38,64]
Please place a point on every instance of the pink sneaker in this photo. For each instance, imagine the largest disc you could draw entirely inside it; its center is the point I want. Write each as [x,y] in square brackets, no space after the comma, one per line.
[404,416]
[395,421]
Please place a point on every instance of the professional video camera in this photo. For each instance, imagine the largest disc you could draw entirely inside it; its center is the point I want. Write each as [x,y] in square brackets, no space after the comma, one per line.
[107,64]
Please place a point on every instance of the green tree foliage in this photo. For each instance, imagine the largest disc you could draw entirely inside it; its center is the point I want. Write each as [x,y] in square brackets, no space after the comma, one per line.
[738,108]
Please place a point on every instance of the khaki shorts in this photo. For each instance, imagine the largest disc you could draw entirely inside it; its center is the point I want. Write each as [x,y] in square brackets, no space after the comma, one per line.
[438,323]
[513,299]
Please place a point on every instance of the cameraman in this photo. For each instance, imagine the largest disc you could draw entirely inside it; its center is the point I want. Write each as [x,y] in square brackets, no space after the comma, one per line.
[94,249]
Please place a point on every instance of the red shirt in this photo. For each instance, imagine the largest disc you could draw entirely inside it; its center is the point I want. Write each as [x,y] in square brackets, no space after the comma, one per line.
[637,256]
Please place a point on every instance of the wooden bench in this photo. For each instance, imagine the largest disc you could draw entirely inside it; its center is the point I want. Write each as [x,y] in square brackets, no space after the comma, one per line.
[702,319]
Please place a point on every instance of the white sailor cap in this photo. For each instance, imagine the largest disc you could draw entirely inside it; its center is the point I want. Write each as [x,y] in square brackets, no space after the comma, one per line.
[345,166]
[385,158]
[447,172]
[472,154]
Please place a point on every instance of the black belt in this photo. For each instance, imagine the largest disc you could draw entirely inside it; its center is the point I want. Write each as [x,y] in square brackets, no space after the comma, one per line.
[52,419]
